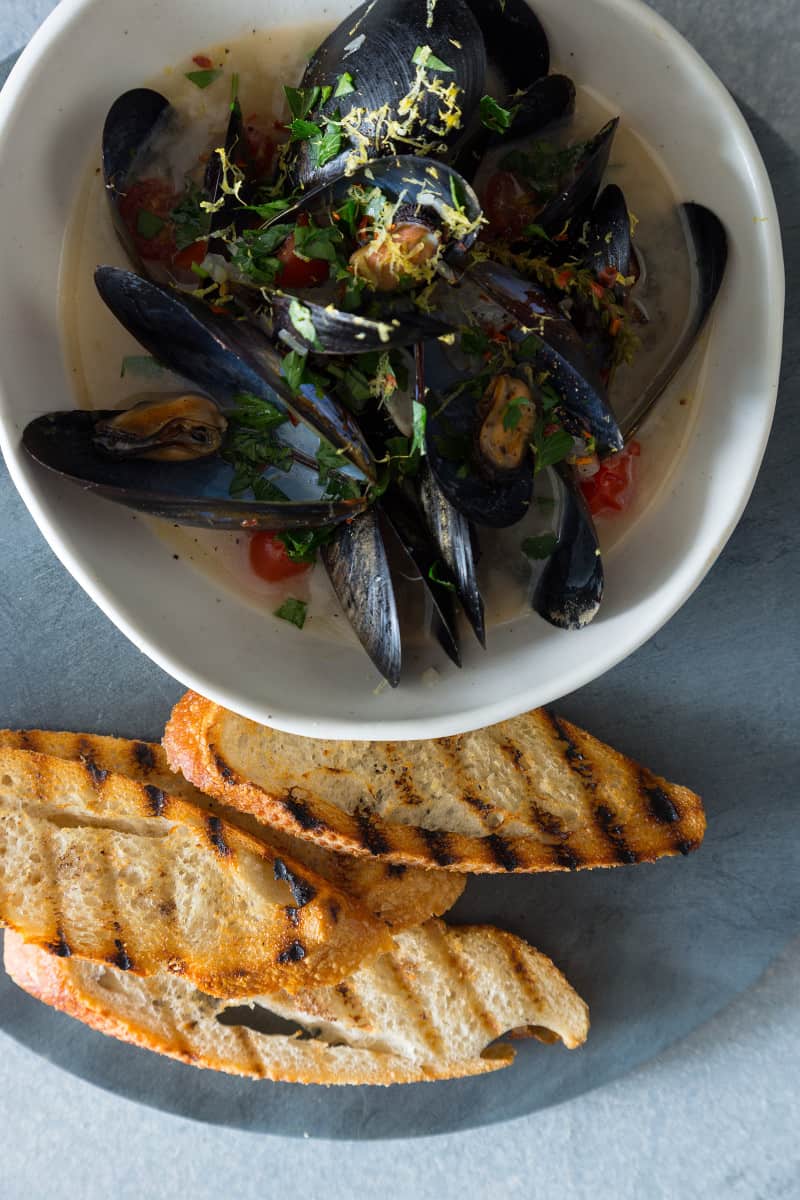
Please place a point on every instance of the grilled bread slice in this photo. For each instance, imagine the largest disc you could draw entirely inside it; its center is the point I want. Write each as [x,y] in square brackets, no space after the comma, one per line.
[427,1010]
[531,794]
[399,896]
[96,865]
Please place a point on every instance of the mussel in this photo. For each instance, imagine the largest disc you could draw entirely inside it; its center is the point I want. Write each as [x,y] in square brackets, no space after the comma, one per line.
[415,71]
[454,538]
[570,588]
[163,429]
[146,189]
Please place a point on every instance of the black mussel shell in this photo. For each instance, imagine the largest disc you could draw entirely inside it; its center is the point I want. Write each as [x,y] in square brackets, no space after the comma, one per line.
[187,493]
[578,195]
[339,332]
[570,588]
[708,252]
[572,371]
[356,562]
[238,153]
[407,522]
[423,186]
[545,101]
[453,536]
[516,44]
[375,45]
[131,121]
[604,246]
[223,356]
[449,443]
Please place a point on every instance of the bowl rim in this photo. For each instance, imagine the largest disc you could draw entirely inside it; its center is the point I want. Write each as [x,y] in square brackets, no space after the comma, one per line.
[290,720]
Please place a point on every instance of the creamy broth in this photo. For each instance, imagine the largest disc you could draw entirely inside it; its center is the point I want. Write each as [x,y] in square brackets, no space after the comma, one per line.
[95,344]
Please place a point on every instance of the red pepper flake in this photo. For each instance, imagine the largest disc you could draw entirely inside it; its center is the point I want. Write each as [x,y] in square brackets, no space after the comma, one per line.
[563,278]
[598,290]
[615,326]
[203,61]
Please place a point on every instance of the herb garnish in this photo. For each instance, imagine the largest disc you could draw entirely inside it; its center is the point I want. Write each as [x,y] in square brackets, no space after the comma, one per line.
[424,57]
[294,611]
[148,224]
[344,85]
[202,79]
[540,547]
[494,116]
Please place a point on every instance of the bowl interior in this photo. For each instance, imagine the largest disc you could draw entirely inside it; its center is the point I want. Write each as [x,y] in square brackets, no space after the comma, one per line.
[91,50]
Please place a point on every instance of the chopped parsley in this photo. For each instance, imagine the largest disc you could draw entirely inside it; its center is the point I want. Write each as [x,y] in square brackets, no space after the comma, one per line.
[544,165]
[494,116]
[203,79]
[294,611]
[302,130]
[302,544]
[300,316]
[189,220]
[550,448]
[302,101]
[251,447]
[344,85]
[254,252]
[424,57]
[293,369]
[540,547]
[512,415]
[148,224]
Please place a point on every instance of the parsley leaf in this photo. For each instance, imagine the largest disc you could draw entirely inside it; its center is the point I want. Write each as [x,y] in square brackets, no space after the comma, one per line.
[202,79]
[512,414]
[302,544]
[148,225]
[435,576]
[494,116]
[419,418]
[311,241]
[301,100]
[326,147]
[251,447]
[293,611]
[293,369]
[253,252]
[423,57]
[344,85]
[188,218]
[302,131]
[552,448]
[474,340]
[544,165]
[540,547]
[536,231]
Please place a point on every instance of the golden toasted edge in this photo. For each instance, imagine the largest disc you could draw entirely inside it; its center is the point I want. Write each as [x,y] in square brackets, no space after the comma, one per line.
[669,821]
[56,982]
[328,907]
[393,899]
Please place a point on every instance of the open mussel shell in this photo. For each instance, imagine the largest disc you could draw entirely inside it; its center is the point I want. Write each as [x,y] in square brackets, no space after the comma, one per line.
[130,132]
[450,431]
[434,192]
[188,493]
[130,124]
[571,370]
[408,525]
[452,533]
[578,194]
[570,588]
[375,45]
[708,254]
[223,356]
[339,332]
[516,44]
[603,244]
[355,559]
[545,101]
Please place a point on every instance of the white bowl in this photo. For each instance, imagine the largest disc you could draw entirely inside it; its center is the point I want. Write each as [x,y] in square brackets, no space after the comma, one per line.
[51,110]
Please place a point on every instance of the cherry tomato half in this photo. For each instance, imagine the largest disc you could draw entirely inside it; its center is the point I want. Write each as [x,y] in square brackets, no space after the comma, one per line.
[507,206]
[610,490]
[297,272]
[269,560]
[155,199]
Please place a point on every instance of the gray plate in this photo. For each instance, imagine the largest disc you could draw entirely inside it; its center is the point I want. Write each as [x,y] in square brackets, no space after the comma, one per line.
[711,700]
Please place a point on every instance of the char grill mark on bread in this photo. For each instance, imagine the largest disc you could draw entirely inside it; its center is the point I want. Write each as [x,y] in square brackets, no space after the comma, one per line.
[429,1009]
[398,897]
[86,868]
[534,793]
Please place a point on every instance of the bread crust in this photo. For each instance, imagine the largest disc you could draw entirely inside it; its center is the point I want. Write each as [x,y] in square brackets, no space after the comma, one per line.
[571,802]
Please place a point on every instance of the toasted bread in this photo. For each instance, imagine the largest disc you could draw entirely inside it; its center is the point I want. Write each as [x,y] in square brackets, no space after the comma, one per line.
[428,1010]
[400,896]
[96,865]
[530,794]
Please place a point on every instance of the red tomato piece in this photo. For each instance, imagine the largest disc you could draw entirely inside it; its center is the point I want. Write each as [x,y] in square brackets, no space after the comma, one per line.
[610,490]
[297,272]
[507,206]
[195,252]
[202,60]
[269,560]
[155,199]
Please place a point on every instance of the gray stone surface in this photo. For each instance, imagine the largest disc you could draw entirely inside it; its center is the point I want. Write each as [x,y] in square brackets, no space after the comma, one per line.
[713,697]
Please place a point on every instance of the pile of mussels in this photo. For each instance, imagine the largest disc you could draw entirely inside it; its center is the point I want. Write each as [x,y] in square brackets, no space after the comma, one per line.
[508,368]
